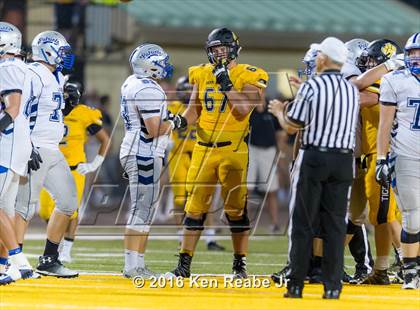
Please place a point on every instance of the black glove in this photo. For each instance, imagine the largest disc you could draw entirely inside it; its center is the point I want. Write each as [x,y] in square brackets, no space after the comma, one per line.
[221,73]
[178,121]
[382,173]
[35,160]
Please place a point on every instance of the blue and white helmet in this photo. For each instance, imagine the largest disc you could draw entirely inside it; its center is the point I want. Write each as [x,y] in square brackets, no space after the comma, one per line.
[309,61]
[51,47]
[356,48]
[150,60]
[10,39]
[412,62]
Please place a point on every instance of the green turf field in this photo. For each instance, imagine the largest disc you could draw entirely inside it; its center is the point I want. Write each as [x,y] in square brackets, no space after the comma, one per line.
[106,256]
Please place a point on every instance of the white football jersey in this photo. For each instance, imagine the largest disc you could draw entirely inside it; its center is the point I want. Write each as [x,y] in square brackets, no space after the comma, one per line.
[142,98]
[402,89]
[15,143]
[349,69]
[46,96]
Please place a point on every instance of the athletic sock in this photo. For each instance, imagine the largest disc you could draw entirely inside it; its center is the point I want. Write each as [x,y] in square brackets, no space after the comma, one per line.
[140,260]
[131,258]
[399,253]
[67,245]
[3,264]
[381,263]
[210,233]
[21,246]
[51,248]
[410,260]
[17,258]
[190,253]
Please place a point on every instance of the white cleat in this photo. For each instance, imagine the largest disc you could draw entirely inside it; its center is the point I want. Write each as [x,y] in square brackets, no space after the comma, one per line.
[145,273]
[410,279]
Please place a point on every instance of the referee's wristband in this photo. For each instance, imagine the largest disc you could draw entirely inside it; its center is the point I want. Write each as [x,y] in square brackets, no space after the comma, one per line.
[5,120]
[381,157]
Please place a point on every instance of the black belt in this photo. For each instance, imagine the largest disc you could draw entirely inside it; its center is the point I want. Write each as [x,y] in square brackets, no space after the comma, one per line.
[326,149]
[212,144]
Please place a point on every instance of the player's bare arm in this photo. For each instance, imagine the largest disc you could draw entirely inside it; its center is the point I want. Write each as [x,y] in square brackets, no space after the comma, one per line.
[156,127]
[277,108]
[104,141]
[12,102]
[368,99]
[242,103]
[387,114]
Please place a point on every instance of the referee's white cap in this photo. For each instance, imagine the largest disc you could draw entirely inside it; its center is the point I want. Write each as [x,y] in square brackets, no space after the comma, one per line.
[333,48]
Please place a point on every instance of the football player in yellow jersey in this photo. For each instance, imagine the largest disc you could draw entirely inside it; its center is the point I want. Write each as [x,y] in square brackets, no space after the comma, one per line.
[223,97]
[382,204]
[180,160]
[79,120]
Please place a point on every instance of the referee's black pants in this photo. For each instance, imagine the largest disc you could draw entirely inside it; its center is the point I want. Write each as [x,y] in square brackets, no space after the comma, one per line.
[320,192]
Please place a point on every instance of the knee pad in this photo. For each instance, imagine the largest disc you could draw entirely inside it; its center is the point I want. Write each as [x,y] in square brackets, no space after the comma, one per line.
[351,228]
[26,212]
[409,238]
[241,225]
[194,224]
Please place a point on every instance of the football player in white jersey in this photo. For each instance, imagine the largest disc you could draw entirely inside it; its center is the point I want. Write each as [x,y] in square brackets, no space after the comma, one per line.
[15,146]
[143,110]
[51,53]
[400,123]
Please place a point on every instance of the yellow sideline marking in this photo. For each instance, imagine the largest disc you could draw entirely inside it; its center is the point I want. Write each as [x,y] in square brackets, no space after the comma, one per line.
[114,292]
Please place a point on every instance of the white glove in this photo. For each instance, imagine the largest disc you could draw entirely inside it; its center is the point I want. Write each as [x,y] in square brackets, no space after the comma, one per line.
[85,168]
[395,62]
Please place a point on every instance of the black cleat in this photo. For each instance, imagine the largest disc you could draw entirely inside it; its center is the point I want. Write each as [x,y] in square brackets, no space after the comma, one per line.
[49,265]
[184,266]
[280,276]
[346,277]
[359,277]
[239,266]
[293,292]
[377,277]
[214,246]
[315,276]
[331,294]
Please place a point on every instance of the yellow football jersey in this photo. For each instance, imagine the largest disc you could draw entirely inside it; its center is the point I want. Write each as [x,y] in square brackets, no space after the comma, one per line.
[216,114]
[186,136]
[77,125]
[370,123]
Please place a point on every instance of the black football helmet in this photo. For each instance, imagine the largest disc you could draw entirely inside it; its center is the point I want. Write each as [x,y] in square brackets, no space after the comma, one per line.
[378,52]
[223,37]
[183,89]
[72,94]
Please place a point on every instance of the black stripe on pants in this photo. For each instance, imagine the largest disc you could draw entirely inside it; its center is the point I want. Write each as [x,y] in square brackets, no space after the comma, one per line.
[320,195]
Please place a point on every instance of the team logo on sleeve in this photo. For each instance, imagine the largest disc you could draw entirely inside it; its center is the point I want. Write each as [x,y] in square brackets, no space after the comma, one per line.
[389,49]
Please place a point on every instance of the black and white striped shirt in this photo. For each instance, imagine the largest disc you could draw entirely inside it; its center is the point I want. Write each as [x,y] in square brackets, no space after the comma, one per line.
[326,107]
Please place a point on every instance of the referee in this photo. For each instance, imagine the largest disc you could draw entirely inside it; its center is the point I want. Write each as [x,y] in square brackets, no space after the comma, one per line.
[325,110]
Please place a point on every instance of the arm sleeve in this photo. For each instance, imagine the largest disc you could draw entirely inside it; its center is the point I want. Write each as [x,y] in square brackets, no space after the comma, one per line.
[149,102]
[95,121]
[298,110]
[388,95]
[252,76]
[11,80]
